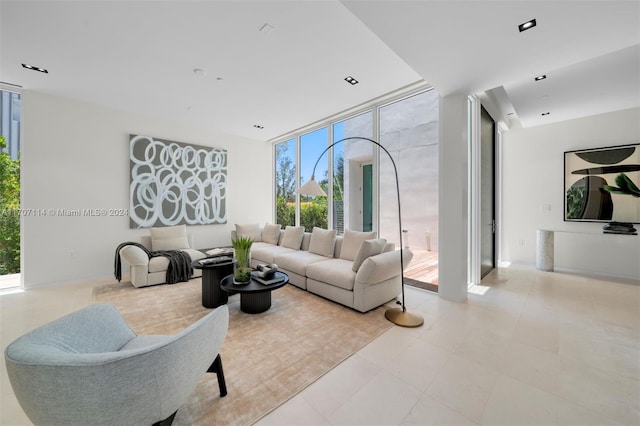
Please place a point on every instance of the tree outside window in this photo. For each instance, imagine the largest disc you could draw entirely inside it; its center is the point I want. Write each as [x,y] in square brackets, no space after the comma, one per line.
[9,212]
[286,183]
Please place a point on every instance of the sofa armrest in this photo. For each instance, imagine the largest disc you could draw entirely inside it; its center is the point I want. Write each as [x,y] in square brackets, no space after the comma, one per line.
[134,256]
[138,264]
[382,267]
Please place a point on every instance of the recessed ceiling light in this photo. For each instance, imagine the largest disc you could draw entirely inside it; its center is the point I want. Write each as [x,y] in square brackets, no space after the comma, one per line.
[31,67]
[266,28]
[527,25]
[351,80]
[257,126]
[540,77]
[545,113]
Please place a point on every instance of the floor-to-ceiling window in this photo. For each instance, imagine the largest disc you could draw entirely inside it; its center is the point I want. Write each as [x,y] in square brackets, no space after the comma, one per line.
[10,119]
[314,210]
[286,160]
[361,188]
[352,174]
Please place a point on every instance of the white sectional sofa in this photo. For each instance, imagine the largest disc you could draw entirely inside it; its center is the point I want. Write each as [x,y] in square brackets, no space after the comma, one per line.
[355,269]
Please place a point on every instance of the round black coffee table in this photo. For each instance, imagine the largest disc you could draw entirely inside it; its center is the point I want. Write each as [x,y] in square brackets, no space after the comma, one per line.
[255,297]
[212,274]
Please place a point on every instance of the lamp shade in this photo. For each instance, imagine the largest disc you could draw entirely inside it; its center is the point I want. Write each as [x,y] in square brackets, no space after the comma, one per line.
[312,188]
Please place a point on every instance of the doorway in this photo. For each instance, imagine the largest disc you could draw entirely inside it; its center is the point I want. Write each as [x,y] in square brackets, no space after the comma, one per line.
[487,194]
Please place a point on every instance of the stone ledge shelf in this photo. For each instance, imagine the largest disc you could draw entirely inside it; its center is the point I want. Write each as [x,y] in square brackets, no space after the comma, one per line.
[618,252]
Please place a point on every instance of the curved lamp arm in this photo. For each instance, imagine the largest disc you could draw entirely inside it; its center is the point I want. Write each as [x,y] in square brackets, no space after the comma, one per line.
[312,188]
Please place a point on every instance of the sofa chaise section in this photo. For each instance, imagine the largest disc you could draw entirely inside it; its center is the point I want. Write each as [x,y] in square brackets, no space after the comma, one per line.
[337,269]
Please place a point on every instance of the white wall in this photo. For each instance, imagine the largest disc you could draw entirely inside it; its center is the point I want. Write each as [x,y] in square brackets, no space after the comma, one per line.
[410,130]
[75,156]
[453,199]
[533,176]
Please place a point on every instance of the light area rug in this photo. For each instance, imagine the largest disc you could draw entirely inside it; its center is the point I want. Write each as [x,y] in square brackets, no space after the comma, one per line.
[267,357]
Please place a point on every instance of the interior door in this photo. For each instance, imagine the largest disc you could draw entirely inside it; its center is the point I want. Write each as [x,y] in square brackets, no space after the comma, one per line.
[487,194]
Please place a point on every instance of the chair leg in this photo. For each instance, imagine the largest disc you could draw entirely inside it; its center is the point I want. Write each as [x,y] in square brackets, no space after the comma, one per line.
[167,421]
[216,367]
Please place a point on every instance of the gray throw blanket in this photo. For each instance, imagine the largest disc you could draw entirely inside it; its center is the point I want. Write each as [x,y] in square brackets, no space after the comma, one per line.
[179,268]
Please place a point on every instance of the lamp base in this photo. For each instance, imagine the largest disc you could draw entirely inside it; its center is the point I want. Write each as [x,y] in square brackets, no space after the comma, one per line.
[400,317]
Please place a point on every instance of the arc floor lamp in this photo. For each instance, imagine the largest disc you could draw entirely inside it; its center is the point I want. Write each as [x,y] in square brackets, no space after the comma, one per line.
[398,316]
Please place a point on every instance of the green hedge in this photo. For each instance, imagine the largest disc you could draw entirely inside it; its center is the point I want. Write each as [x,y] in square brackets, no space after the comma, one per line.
[312,213]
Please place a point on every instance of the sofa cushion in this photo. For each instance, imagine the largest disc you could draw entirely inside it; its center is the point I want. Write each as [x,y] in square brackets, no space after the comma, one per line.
[336,272]
[251,230]
[271,233]
[268,253]
[292,237]
[297,261]
[195,254]
[352,241]
[323,241]
[368,248]
[161,263]
[169,238]
[260,244]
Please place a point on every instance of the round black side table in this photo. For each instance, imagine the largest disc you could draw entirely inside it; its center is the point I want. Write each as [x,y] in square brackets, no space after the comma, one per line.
[212,274]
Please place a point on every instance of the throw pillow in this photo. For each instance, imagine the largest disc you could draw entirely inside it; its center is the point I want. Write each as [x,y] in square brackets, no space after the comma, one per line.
[292,237]
[251,230]
[322,242]
[367,249]
[351,243]
[169,238]
[271,233]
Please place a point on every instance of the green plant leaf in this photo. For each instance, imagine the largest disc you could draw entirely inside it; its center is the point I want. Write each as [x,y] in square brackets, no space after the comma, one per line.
[625,186]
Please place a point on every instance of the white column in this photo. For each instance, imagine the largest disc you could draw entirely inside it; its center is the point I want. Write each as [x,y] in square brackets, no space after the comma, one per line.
[544,250]
[453,209]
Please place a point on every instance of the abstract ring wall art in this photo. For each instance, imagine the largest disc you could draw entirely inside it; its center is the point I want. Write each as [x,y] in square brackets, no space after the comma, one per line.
[174,183]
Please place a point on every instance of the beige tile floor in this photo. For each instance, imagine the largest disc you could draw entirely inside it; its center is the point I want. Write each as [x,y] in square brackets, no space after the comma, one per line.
[528,348]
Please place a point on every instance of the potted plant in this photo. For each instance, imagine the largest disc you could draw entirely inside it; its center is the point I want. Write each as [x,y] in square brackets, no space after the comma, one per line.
[242,255]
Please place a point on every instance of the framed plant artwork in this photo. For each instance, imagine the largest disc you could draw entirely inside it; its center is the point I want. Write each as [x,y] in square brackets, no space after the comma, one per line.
[602,184]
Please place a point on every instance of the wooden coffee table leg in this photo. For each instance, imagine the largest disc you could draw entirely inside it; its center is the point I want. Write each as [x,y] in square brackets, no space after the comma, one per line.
[255,303]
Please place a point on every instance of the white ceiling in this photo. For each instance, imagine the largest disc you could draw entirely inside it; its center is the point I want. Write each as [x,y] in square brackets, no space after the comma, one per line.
[588,50]
[140,56]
